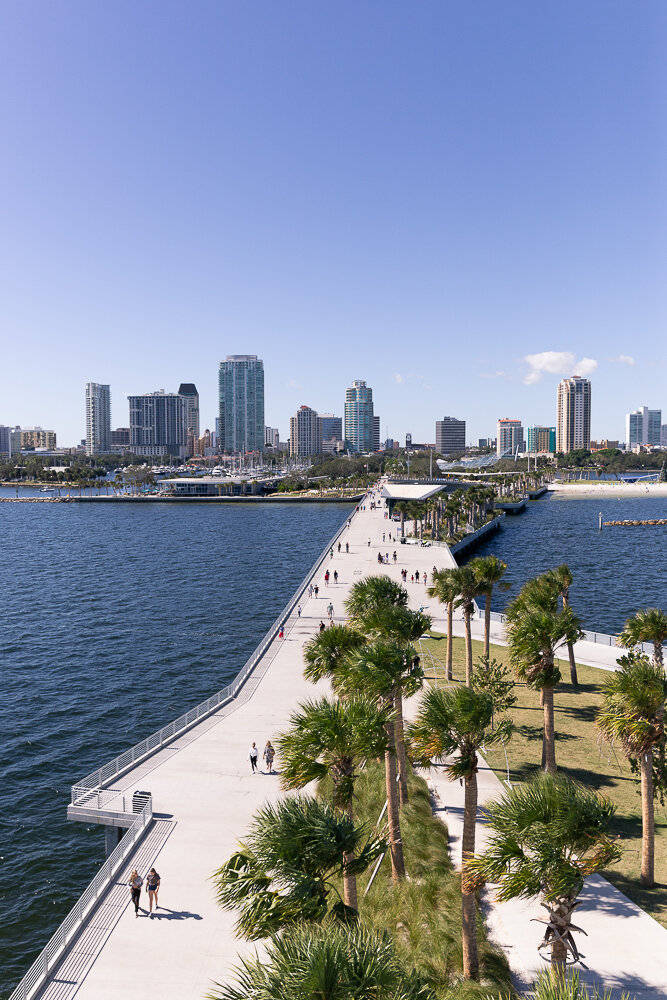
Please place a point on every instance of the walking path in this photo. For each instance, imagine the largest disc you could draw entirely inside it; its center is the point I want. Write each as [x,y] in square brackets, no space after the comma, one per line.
[205,794]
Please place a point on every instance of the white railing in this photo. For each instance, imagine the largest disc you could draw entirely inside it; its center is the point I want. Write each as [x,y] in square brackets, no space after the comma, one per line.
[603,638]
[91,790]
[58,944]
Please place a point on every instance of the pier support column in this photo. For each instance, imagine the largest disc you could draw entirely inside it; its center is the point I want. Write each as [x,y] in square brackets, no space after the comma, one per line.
[112,837]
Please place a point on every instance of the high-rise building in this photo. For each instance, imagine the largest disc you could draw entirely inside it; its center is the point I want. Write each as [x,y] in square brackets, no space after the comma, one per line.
[573,414]
[157,424]
[359,429]
[375,440]
[189,392]
[271,437]
[486,443]
[643,426]
[450,435]
[37,437]
[331,428]
[663,436]
[98,418]
[241,393]
[509,436]
[120,438]
[304,433]
[541,439]
[6,441]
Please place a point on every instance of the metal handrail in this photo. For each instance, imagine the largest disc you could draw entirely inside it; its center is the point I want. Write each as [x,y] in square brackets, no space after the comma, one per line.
[84,791]
[54,949]
[603,638]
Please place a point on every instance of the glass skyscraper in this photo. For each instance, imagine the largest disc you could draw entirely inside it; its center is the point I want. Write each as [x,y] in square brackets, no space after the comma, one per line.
[360,427]
[241,394]
[98,418]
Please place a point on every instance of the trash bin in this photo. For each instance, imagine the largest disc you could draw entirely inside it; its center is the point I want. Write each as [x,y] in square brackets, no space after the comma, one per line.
[140,800]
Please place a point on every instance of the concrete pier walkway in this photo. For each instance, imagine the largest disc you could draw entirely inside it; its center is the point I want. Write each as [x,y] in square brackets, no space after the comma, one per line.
[204,796]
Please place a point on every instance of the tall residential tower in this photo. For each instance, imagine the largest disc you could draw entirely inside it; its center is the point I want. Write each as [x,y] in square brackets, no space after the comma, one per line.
[98,418]
[362,431]
[573,414]
[241,394]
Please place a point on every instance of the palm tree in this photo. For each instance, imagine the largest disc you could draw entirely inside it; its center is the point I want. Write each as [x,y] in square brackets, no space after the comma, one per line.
[633,713]
[489,571]
[379,669]
[547,835]
[333,738]
[373,591]
[535,627]
[452,725]
[327,963]
[285,871]
[646,626]
[562,577]
[445,588]
[325,652]
[468,588]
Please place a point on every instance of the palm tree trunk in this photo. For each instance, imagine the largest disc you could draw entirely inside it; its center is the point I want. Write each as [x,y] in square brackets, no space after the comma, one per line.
[466,617]
[349,878]
[549,737]
[468,899]
[400,749]
[487,624]
[560,916]
[574,680]
[648,820]
[450,636]
[394,823]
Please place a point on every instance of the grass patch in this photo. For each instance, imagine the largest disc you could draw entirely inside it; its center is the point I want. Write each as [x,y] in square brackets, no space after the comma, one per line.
[580,753]
[423,915]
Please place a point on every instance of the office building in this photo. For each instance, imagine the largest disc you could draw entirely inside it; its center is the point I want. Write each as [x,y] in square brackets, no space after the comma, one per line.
[509,437]
[120,440]
[643,426]
[331,428]
[36,437]
[359,425]
[241,394]
[304,433]
[158,424]
[271,437]
[573,414]
[541,440]
[486,443]
[98,418]
[663,436]
[6,441]
[450,435]
[189,392]
[375,440]
[604,445]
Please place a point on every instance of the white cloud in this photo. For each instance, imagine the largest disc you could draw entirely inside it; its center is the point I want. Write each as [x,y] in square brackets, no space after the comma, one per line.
[556,363]
[293,384]
[398,379]
[498,374]
[410,377]
[623,359]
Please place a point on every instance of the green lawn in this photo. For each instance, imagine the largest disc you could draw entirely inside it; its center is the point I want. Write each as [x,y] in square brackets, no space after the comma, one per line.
[580,753]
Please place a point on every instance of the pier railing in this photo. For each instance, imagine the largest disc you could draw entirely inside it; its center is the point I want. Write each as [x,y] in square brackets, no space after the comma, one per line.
[50,955]
[92,790]
[603,638]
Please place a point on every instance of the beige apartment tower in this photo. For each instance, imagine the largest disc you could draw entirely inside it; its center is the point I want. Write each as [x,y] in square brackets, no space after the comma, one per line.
[573,414]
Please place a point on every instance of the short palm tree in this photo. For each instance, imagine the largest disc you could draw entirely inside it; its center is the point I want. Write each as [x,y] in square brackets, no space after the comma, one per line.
[633,714]
[286,870]
[333,738]
[332,963]
[562,579]
[451,726]
[646,626]
[326,651]
[378,670]
[445,588]
[372,592]
[467,583]
[489,571]
[535,628]
[547,835]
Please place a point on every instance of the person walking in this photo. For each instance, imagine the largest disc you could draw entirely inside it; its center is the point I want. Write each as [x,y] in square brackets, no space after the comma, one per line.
[310,590]
[347,546]
[395,556]
[417,575]
[317,590]
[254,754]
[383,536]
[330,610]
[335,576]
[298,610]
[269,754]
[152,888]
[326,579]
[135,885]
[340,545]
[369,543]
[322,626]
[281,632]
[330,553]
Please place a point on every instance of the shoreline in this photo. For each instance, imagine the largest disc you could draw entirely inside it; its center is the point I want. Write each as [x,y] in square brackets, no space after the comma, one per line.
[591,490]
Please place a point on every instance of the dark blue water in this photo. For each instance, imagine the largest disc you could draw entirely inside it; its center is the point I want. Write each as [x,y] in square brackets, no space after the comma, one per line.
[114,620]
[616,570]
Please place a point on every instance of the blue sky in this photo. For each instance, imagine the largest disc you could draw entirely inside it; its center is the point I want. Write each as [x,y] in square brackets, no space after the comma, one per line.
[423,195]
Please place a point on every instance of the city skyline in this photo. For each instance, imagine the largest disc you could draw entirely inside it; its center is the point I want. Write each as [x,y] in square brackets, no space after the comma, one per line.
[370,197]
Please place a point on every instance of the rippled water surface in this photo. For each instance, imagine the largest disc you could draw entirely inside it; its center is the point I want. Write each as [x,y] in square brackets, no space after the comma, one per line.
[114,620]
[616,570]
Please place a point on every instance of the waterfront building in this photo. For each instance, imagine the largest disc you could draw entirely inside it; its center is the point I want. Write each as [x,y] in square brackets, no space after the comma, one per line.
[663,436]
[450,435]
[271,437]
[331,428]
[643,426]
[5,441]
[189,392]
[573,414]
[158,424]
[120,438]
[36,437]
[604,445]
[98,418]
[305,437]
[541,440]
[241,397]
[360,427]
[509,436]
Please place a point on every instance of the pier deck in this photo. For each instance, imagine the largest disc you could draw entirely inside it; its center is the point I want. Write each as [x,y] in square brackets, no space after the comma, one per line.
[205,796]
